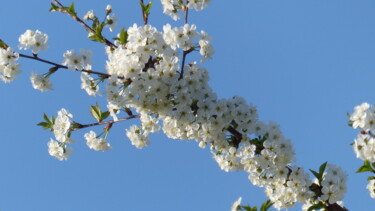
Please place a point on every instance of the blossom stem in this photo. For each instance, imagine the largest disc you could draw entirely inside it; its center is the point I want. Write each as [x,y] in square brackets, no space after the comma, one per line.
[80,21]
[103,75]
[183,62]
[110,122]
[144,15]
[186,12]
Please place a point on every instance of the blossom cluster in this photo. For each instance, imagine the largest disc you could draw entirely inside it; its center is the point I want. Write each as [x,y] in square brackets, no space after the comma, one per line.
[40,82]
[34,40]
[146,77]
[363,118]
[172,7]
[62,126]
[76,61]
[95,143]
[9,67]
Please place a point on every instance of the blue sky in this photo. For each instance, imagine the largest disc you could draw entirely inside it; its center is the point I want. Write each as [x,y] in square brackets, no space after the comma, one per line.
[303,64]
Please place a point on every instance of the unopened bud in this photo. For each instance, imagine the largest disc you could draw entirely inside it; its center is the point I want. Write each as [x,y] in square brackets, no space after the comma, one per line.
[108,9]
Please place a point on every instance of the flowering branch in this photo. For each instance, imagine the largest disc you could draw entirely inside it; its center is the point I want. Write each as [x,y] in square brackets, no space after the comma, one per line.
[103,75]
[73,14]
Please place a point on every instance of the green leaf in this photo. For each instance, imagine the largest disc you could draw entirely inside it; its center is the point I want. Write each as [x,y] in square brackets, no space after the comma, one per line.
[322,168]
[54,8]
[148,8]
[71,10]
[316,174]
[365,168]
[266,205]
[45,117]
[123,38]
[320,205]
[248,208]
[96,112]
[45,125]
[105,115]
[371,178]
[3,44]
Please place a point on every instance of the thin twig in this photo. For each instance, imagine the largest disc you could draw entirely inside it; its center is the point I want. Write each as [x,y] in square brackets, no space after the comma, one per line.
[144,15]
[79,126]
[183,62]
[80,21]
[103,75]
[186,12]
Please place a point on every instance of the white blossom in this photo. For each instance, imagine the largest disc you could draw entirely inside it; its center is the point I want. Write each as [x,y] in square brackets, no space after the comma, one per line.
[37,41]
[40,82]
[58,150]
[95,143]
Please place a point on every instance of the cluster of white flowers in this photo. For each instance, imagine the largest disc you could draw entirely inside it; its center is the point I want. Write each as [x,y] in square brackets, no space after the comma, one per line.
[61,128]
[40,82]
[146,77]
[333,184]
[9,67]
[371,188]
[76,61]
[37,41]
[138,137]
[90,15]
[95,143]
[363,118]
[172,7]
[89,84]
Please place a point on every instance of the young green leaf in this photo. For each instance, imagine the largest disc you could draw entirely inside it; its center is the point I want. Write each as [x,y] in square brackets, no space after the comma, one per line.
[105,115]
[3,44]
[365,167]
[371,178]
[96,112]
[123,38]
[53,8]
[322,168]
[71,10]
[148,8]
[318,206]
[266,205]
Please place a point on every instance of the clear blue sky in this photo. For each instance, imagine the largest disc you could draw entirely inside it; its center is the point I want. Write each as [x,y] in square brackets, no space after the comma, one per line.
[304,64]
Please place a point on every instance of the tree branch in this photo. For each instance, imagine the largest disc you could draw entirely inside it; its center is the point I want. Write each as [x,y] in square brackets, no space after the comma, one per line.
[80,21]
[103,75]
[80,126]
